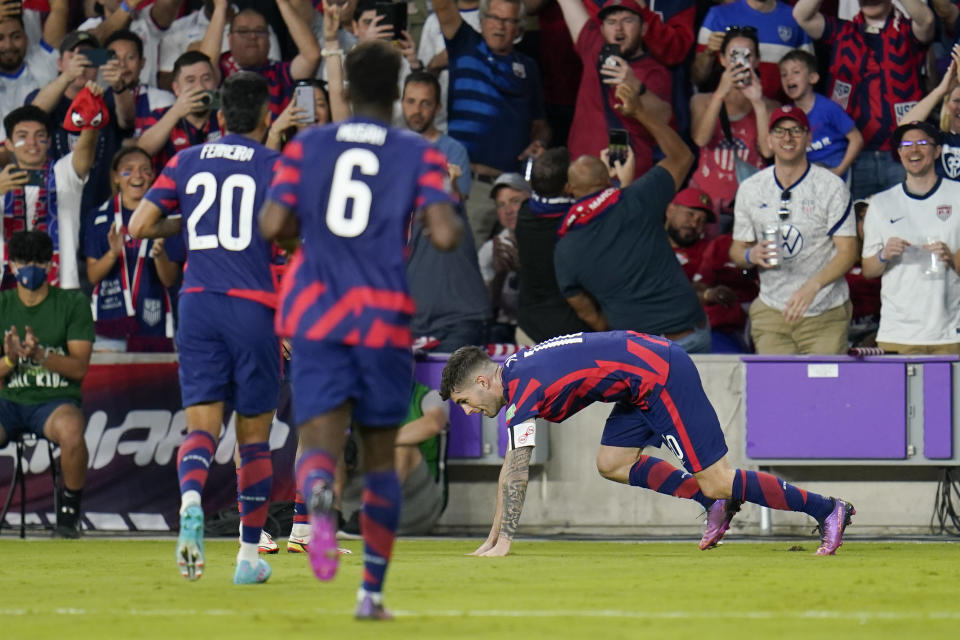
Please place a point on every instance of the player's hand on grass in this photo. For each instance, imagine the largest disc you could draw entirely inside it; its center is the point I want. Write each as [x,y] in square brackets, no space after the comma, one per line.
[499,550]
[482,549]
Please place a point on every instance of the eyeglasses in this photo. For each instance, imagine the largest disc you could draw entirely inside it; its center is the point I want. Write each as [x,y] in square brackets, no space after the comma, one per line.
[906,144]
[745,29]
[250,33]
[503,22]
[779,132]
[784,211]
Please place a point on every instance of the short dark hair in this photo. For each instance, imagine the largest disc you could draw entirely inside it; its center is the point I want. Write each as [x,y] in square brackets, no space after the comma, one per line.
[243,98]
[372,70]
[187,59]
[127,36]
[16,18]
[801,56]
[26,113]
[549,175]
[734,32]
[463,362]
[362,7]
[423,77]
[30,246]
[127,151]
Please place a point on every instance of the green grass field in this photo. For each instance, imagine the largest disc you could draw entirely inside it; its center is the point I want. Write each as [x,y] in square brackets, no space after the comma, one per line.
[105,589]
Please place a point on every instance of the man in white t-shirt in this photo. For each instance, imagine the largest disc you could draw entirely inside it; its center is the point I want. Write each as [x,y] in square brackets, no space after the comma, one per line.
[910,240]
[26,66]
[150,24]
[804,302]
[45,195]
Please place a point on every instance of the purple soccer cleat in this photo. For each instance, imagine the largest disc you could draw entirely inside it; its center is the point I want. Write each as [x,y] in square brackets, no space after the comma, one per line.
[833,526]
[719,516]
[370,609]
[322,549]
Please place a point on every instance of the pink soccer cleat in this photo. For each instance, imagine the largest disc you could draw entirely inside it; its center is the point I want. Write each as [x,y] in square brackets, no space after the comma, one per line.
[833,526]
[719,516]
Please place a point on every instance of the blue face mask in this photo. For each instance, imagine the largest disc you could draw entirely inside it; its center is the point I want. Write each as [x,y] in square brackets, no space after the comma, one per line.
[31,276]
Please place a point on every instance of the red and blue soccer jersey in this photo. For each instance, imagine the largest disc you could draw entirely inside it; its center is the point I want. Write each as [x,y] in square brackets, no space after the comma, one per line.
[219,188]
[559,377]
[353,186]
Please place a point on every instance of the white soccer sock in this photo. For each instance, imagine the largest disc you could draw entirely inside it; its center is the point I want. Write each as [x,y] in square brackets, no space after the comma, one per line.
[248,552]
[189,498]
[300,530]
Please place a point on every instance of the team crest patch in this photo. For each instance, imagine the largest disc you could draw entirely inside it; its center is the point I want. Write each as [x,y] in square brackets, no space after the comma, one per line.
[152,311]
[785,32]
[511,411]
[841,93]
[944,211]
[519,70]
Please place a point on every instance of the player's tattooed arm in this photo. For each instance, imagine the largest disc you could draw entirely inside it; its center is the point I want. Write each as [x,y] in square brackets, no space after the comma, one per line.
[512,492]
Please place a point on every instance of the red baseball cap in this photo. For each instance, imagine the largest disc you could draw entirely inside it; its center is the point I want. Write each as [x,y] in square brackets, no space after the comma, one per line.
[626,5]
[790,112]
[695,199]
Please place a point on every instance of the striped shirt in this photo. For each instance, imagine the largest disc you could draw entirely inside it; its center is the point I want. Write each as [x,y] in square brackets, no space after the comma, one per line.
[494,100]
[277,75]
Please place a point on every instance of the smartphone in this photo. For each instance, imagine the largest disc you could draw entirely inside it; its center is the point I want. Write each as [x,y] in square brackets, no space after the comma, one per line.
[395,14]
[303,97]
[99,57]
[528,169]
[210,99]
[741,57]
[606,51]
[35,177]
[619,141]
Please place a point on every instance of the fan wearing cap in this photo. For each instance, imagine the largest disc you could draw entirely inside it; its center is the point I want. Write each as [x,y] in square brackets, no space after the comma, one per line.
[793,222]
[687,215]
[911,236]
[619,23]
[498,256]
[27,64]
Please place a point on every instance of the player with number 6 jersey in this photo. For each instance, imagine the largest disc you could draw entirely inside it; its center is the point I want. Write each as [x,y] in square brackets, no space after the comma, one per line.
[348,191]
[658,400]
[228,351]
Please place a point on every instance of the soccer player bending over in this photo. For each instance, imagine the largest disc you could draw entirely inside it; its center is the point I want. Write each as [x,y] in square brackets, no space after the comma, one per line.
[347,190]
[228,351]
[658,399]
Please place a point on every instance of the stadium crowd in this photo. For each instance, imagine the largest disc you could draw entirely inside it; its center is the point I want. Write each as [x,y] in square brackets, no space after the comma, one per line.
[782,118]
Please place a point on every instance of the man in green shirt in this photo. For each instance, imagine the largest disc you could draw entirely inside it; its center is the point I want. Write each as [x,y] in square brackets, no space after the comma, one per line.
[46,352]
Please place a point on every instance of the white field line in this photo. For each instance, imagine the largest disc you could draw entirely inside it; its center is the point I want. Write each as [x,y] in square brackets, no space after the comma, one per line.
[813,614]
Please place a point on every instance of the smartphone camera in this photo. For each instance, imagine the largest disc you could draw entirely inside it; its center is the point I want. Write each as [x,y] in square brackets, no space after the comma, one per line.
[36,178]
[741,57]
[210,99]
[304,98]
[98,57]
[619,141]
[606,55]
[394,14]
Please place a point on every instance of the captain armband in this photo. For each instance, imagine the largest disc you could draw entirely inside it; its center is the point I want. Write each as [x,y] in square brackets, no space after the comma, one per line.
[522,435]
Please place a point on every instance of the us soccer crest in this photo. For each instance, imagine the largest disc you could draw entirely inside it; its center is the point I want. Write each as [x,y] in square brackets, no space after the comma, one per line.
[152,311]
[519,70]
[944,211]
[785,32]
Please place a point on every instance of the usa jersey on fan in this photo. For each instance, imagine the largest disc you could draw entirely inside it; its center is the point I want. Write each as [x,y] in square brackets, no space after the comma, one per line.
[558,377]
[348,281]
[220,187]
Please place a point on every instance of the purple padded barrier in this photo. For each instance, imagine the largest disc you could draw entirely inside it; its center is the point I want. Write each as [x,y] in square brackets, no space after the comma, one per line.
[466,438]
[937,411]
[860,414]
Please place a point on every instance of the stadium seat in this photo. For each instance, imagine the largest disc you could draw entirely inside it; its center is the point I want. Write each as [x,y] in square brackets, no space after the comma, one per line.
[28,440]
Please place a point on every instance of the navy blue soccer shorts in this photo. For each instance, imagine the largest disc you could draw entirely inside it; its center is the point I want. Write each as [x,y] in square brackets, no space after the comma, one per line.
[327,374]
[681,418]
[228,352]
